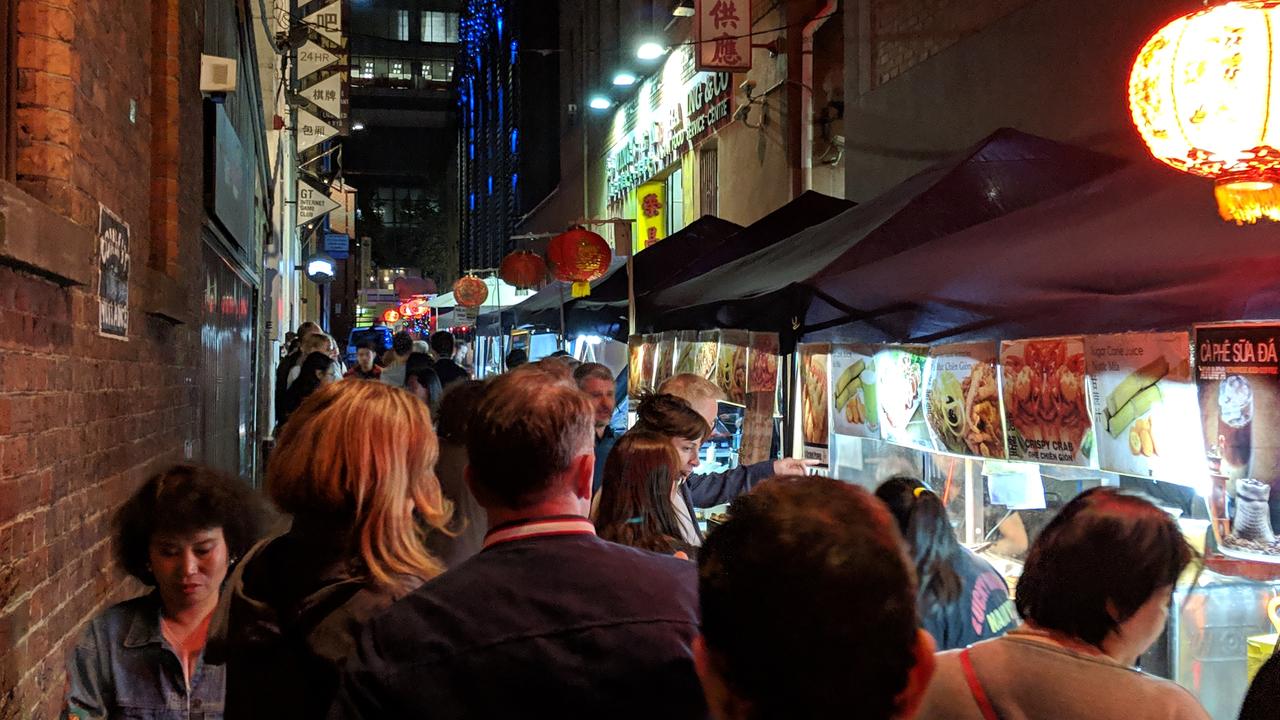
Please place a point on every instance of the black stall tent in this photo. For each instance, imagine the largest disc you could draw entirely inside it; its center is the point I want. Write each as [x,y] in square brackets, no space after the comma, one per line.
[701,247]
[1139,249]
[785,287]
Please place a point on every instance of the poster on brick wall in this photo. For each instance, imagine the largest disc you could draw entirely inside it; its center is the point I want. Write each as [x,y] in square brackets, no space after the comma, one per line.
[113,275]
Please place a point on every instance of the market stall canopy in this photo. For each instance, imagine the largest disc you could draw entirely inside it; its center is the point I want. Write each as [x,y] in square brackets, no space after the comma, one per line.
[500,295]
[1139,249]
[807,210]
[655,265]
[773,289]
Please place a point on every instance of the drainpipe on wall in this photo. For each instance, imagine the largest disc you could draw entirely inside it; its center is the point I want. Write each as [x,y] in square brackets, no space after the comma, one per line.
[806,92]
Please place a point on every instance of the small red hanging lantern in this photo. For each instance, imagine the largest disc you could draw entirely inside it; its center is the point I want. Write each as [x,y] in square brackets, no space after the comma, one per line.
[470,291]
[579,256]
[523,269]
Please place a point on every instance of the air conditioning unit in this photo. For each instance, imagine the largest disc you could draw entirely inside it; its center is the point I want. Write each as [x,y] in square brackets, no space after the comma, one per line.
[217,74]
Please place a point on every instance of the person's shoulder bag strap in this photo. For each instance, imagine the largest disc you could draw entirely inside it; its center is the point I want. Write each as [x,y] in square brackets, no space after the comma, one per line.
[975,687]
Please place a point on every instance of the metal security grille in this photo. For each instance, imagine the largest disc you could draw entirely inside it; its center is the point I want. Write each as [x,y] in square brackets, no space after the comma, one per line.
[708,182]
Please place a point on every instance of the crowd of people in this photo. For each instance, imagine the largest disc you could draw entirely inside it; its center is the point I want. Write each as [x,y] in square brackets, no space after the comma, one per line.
[437,546]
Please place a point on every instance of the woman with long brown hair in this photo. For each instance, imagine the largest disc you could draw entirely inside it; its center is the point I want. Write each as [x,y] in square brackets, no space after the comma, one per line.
[639,492]
[354,467]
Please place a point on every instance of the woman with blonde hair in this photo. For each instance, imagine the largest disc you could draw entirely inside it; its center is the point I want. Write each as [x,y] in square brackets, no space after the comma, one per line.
[355,468]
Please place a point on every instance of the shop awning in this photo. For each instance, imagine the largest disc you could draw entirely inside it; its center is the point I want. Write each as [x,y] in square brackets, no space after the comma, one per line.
[774,288]
[1139,249]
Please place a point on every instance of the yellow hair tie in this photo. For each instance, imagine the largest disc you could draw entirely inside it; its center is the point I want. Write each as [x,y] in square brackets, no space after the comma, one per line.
[918,491]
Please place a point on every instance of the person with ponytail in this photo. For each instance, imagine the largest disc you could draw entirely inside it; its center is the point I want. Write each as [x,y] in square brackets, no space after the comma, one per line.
[962,599]
[638,499]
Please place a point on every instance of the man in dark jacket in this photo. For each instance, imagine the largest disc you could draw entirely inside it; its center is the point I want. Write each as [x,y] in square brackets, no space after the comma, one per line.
[548,620]
[450,372]
[597,381]
[290,360]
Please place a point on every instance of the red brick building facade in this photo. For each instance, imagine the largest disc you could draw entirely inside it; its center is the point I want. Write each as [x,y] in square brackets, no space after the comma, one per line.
[101,108]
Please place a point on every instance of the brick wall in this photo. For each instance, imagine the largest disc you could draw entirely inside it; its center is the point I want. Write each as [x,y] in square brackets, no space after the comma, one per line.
[904,33]
[85,419]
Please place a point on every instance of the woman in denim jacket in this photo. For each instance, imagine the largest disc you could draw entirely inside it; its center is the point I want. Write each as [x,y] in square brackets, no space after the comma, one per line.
[143,658]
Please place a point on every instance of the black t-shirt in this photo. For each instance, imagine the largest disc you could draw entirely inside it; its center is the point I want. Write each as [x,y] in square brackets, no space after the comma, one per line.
[1263,700]
[982,611]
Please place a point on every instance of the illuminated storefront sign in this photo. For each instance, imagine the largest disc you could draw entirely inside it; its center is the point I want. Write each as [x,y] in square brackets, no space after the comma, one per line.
[673,111]
[651,213]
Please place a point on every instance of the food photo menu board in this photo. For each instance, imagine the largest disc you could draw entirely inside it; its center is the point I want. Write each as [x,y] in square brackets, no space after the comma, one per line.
[899,386]
[1046,401]
[962,400]
[855,408]
[1238,377]
[1144,407]
[731,366]
[814,401]
[707,355]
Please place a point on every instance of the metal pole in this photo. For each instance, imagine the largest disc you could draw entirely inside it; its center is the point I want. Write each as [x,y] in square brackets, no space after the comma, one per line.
[631,295]
[562,329]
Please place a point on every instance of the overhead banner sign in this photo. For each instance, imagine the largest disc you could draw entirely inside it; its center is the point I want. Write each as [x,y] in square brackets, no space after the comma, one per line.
[679,118]
[312,59]
[312,130]
[327,21]
[113,275]
[313,202]
[722,34]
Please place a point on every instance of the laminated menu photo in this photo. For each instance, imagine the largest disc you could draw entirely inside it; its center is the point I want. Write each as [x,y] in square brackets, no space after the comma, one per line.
[814,405]
[854,407]
[1145,408]
[1046,400]
[731,365]
[899,386]
[962,400]
[1238,378]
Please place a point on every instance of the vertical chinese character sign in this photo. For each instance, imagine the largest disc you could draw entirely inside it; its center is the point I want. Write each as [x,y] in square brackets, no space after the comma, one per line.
[113,275]
[722,32]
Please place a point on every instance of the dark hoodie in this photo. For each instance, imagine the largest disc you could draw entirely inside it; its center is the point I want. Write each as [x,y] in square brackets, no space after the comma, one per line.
[286,621]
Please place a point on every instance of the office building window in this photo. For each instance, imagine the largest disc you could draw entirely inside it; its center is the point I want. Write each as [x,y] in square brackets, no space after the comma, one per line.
[675,202]
[402,25]
[437,70]
[398,71]
[439,27]
[363,69]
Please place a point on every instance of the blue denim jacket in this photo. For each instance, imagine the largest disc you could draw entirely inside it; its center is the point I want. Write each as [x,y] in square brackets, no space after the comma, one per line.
[122,667]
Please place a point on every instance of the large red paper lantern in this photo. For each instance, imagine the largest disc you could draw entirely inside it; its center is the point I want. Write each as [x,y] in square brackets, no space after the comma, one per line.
[1204,93]
[523,269]
[470,291]
[579,256]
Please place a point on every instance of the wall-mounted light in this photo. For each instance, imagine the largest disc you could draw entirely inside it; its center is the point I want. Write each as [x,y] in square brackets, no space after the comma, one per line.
[599,102]
[624,78]
[321,269]
[650,51]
